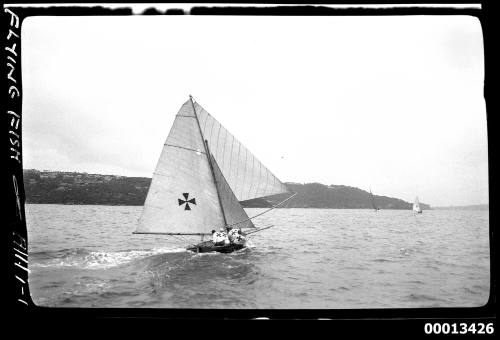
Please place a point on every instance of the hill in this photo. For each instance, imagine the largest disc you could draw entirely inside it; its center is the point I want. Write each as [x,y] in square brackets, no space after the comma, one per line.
[83,188]
[316,195]
[465,207]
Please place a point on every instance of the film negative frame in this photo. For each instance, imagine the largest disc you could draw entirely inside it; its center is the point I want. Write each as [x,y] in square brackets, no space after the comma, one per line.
[15,234]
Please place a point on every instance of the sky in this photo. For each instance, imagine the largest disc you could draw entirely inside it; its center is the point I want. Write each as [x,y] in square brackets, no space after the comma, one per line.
[392,104]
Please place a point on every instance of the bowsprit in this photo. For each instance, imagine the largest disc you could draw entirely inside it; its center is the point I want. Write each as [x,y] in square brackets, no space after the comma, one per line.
[186,201]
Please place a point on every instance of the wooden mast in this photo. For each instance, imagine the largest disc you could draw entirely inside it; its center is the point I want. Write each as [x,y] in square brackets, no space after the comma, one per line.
[207,152]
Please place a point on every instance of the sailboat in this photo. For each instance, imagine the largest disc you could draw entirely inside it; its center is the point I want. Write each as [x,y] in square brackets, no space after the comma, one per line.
[202,175]
[373,201]
[416,206]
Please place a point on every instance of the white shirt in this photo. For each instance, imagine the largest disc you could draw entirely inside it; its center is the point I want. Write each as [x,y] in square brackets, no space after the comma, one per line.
[219,237]
[232,234]
[239,239]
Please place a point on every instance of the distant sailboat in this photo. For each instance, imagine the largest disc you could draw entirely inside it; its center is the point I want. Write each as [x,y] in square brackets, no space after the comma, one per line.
[416,206]
[373,201]
[202,174]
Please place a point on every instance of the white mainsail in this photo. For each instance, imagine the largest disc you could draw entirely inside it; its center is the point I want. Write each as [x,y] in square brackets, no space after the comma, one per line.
[245,174]
[233,211]
[416,205]
[182,180]
[190,192]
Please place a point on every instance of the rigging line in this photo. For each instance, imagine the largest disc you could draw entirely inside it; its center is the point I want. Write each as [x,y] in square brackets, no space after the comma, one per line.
[225,185]
[230,169]
[212,131]
[188,242]
[224,149]
[184,241]
[173,242]
[176,242]
[217,146]
[227,188]
[287,204]
[231,160]
[251,183]
[211,160]
[259,183]
[211,117]
[254,231]
[181,147]
[262,213]
[244,172]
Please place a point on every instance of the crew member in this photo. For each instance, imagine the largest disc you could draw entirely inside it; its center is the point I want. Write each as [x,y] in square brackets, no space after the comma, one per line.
[224,234]
[218,238]
[232,233]
[239,238]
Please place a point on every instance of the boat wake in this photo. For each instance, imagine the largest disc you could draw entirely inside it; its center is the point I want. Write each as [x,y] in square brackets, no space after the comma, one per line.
[87,259]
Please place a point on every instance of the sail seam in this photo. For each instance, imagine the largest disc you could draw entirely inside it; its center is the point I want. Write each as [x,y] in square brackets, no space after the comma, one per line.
[230,161]
[224,150]
[205,123]
[182,147]
[260,176]
[241,188]
[176,175]
[217,145]
[212,132]
[237,167]
[245,171]
[267,182]
[253,175]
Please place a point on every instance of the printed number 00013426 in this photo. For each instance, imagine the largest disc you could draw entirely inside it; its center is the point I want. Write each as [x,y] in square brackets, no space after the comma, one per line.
[459,328]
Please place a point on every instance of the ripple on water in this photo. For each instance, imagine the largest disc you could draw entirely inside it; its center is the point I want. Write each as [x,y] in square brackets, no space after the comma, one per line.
[423,298]
[383,260]
[363,260]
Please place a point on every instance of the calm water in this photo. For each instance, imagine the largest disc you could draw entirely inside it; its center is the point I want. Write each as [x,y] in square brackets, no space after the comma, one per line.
[86,256]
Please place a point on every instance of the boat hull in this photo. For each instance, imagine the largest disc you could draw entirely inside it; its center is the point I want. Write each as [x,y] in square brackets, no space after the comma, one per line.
[208,247]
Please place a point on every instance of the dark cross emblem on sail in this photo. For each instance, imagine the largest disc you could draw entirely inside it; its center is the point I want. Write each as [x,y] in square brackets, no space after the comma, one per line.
[186,201]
